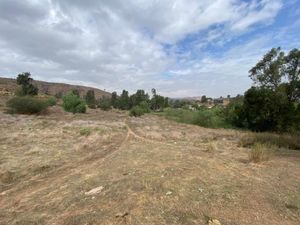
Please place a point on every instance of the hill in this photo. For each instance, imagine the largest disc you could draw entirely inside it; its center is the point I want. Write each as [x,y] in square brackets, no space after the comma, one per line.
[9,86]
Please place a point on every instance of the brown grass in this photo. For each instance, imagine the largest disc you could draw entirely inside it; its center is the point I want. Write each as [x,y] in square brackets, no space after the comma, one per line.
[261,152]
[290,141]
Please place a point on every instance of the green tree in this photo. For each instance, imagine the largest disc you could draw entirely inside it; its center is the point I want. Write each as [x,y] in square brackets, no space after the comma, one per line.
[292,71]
[104,104]
[204,99]
[27,88]
[267,72]
[90,99]
[114,99]
[267,110]
[124,100]
[138,97]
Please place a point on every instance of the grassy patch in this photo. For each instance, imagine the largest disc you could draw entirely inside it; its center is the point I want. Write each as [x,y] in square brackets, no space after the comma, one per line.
[205,117]
[261,152]
[85,131]
[290,141]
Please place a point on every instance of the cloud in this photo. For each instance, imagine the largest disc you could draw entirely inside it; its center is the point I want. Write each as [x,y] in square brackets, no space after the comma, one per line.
[131,44]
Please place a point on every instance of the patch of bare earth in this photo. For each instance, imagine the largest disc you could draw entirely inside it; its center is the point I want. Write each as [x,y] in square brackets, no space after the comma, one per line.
[146,170]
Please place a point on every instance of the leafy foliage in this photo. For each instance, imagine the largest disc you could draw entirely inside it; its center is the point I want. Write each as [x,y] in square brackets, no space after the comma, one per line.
[104,104]
[90,99]
[72,103]
[51,101]
[27,88]
[267,72]
[26,105]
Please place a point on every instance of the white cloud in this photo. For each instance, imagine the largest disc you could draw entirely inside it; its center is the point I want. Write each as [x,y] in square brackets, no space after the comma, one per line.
[120,44]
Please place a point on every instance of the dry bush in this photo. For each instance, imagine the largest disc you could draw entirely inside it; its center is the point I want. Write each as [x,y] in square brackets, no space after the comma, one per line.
[290,141]
[211,146]
[261,152]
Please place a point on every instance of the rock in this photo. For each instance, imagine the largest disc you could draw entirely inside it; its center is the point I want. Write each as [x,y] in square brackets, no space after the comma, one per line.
[122,214]
[214,222]
[169,193]
[94,191]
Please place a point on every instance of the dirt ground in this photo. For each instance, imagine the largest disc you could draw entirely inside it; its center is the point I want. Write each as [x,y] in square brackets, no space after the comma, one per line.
[108,168]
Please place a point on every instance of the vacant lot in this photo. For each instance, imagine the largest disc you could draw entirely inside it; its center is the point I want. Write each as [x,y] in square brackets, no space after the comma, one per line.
[108,168]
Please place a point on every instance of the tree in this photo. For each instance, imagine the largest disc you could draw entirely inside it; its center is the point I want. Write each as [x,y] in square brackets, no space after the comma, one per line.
[267,72]
[27,88]
[104,104]
[267,110]
[90,99]
[114,99]
[124,100]
[138,97]
[203,99]
[292,72]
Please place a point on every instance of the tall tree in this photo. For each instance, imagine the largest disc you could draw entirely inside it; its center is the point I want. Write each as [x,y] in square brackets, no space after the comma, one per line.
[90,99]
[27,88]
[114,99]
[292,71]
[124,100]
[267,72]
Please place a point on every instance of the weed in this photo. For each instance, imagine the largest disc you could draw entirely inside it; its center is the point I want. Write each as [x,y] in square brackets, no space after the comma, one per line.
[85,131]
[261,152]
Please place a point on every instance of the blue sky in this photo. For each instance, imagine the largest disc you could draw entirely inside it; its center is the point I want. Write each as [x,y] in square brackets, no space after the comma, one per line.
[181,47]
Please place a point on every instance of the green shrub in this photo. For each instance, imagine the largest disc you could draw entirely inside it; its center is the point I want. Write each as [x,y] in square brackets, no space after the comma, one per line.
[51,101]
[137,111]
[204,117]
[104,104]
[85,131]
[145,106]
[81,108]
[72,103]
[26,105]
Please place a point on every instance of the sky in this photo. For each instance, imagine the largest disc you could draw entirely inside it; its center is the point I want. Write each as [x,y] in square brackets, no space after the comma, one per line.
[182,48]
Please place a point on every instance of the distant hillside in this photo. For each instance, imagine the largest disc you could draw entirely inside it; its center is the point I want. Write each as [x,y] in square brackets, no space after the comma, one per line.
[9,86]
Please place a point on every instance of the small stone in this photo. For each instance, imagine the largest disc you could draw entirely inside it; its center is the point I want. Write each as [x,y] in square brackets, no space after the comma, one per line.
[169,193]
[200,189]
[214,222]
[94,191]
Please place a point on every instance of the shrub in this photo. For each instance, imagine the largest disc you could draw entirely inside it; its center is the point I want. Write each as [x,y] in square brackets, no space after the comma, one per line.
[290,141]
[260,152]
[85,131]
[104,104]
[72,103]
[26,105]
[145,106]
[137,111]
[204,117]
[51,101]
[81,108]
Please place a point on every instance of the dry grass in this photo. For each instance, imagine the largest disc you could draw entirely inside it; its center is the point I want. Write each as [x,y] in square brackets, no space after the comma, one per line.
[261,152]
[290,141]
[153,171]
